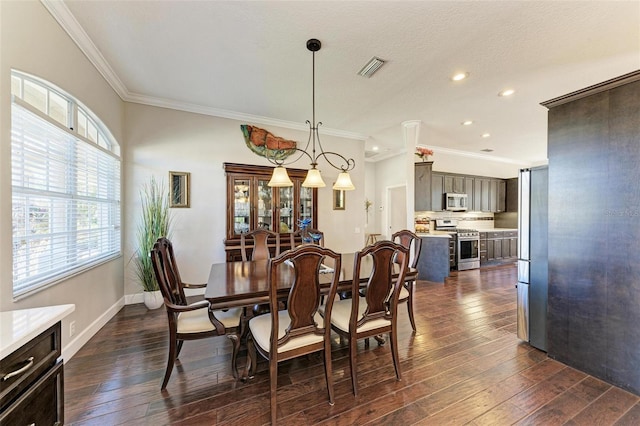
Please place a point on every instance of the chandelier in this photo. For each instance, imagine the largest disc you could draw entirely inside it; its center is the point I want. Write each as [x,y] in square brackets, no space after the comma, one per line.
[280,177]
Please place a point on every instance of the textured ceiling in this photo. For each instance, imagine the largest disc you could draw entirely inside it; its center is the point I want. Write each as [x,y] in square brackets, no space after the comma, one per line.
[249,60]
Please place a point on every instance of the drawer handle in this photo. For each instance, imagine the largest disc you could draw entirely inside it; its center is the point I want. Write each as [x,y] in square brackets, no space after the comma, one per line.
[20,370]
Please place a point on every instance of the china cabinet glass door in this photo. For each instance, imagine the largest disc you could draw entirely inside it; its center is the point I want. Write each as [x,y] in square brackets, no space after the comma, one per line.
[286,212]
[241,206]
[265,205]
[306,203]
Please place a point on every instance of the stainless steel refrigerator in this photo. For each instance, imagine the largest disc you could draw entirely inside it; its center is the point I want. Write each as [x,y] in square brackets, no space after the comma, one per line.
[533,266]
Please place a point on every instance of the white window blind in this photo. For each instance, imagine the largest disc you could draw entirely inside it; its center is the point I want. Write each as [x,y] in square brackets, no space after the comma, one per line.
[66,201]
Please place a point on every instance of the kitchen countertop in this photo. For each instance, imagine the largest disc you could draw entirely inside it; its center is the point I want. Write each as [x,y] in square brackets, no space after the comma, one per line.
[20,326]
[497,229]
[437,234]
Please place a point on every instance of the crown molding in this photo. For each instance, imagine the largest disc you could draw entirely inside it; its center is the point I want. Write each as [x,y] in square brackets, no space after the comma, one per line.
[68,22]
[232,115]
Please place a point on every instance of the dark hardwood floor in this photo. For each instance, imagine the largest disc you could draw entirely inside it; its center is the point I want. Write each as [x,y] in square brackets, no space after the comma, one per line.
[465,365]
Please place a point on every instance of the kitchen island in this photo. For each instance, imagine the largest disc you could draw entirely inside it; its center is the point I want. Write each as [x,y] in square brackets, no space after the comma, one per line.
[433,264]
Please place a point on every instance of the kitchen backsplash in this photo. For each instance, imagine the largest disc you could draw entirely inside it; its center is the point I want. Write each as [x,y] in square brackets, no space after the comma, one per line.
[472,220]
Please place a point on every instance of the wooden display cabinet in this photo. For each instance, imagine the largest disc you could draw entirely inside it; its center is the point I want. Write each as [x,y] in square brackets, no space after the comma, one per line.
[252,204]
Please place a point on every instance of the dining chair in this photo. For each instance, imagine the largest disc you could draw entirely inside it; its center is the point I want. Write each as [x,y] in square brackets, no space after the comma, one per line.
[299,329]
[374,313]
[315,234]
[414,243]
[189,321]
[260,244]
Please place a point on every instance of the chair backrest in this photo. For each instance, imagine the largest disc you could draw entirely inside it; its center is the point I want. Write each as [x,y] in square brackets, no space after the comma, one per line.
[304,296]
[260,244]
[387,258]
[166,272]
[315,234]
[411,241]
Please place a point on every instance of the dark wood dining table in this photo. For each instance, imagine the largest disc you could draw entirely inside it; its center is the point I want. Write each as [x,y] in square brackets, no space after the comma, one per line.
[240,284]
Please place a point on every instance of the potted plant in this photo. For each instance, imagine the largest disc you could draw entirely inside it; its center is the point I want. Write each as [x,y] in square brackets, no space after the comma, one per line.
[155,222]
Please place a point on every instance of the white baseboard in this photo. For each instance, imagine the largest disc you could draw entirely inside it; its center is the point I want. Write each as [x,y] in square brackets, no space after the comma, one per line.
[82,338]
[131,299]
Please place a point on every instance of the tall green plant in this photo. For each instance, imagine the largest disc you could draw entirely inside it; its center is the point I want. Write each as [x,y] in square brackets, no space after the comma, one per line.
[155,223]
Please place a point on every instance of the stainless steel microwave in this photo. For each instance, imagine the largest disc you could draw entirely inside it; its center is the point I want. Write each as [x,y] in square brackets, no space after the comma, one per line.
[455,202]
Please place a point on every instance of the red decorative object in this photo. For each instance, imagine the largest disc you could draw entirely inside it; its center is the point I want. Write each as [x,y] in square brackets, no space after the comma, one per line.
[423,152]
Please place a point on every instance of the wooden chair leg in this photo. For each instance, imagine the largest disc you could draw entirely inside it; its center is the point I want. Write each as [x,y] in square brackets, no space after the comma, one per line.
[352,363]
[180,342]
[273,376]
[235,341]
[171,358]
[250,367]
[394,353]
[327,370]
[410,305]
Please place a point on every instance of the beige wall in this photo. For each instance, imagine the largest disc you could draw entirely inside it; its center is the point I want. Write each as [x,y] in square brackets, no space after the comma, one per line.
[160,140]
[33,42]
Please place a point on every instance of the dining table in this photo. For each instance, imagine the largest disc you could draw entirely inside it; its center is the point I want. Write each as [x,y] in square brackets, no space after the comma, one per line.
[244,283]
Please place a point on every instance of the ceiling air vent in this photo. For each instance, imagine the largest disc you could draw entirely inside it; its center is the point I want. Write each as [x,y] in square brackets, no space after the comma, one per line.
[372,66]
[486,150]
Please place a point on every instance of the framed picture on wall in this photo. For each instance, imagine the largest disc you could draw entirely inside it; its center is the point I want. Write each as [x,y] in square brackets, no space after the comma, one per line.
[179,189]
[338,199]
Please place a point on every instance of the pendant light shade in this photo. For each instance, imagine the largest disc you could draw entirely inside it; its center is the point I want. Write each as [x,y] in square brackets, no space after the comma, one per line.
[343,182]
[313,150]
[280,178]
[313,179]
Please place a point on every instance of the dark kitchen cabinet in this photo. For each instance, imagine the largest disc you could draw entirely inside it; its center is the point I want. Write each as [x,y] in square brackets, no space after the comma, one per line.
[501,196]
[481,195]
[437,192]
[501,247]
[454,183]
[511,196]
[469,190]
[33,393]
[422,188]
[484,194]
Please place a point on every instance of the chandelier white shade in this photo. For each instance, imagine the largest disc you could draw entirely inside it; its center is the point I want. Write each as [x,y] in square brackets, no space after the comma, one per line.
[280,178]
[314,178]
[343,182]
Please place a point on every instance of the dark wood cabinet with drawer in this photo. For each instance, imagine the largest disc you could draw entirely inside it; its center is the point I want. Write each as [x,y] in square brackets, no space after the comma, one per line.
[31,385]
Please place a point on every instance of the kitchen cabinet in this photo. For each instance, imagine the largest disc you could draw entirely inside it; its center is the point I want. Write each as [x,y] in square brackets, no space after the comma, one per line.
[481,194]
[498,247]
[437,192]
[484,194]
[32,388]
[469,190]
[511,197]
[454,183]
[252,204]
[422,188]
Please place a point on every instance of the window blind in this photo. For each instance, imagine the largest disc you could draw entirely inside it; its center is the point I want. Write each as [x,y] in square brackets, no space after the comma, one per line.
[65,202]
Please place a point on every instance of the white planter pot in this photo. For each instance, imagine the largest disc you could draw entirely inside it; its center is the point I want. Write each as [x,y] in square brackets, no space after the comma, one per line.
[153,299]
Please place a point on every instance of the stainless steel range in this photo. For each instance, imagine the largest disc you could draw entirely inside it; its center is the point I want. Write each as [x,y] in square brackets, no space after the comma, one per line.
[465,247]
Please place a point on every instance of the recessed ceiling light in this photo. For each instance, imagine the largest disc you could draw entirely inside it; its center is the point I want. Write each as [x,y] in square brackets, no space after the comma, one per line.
[460,76]
[507,92]
[375,148]
[467,123]
[486,135]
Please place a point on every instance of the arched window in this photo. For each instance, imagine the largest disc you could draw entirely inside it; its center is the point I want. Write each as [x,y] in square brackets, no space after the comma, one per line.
[65,172]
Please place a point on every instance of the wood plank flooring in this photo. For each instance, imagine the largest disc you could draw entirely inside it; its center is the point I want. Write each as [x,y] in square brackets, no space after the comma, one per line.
[465,365]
